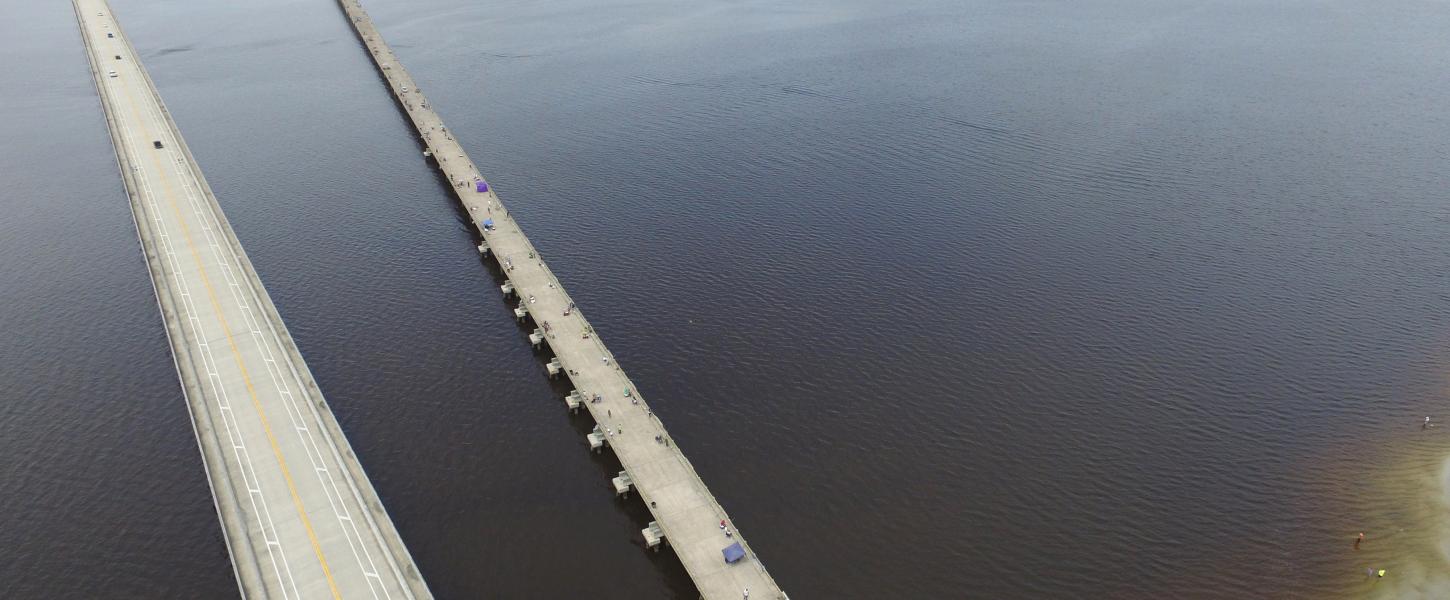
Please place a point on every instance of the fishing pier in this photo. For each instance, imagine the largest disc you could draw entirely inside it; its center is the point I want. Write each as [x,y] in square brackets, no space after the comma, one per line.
[686,516]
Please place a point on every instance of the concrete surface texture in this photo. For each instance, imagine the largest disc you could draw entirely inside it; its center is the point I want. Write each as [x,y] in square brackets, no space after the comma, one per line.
[686,511]
[300,518]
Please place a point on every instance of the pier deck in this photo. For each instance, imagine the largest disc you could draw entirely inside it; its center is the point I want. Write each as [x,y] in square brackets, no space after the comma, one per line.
[686,511]
[300,518]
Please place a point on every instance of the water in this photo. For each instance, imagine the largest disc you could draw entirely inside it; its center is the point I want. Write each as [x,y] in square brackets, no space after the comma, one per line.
[989,299]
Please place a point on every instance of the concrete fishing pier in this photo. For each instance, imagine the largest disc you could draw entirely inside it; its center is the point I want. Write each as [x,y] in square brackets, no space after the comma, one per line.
[686,515]
[299,516]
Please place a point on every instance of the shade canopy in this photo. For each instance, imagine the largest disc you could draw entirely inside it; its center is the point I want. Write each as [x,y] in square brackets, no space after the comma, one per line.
[482,187]
[733,552]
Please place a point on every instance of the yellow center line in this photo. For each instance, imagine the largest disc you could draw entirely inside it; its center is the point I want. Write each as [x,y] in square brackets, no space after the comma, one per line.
[236,355]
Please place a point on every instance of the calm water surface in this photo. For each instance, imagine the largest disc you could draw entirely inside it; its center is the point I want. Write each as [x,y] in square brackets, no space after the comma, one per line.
[987,299]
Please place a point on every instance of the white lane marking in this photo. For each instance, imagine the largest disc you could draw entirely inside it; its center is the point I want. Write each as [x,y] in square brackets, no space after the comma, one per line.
[315,455]
[309,445]
[239,449]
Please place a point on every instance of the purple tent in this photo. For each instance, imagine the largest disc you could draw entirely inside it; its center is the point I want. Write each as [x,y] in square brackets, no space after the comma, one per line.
[733,552]
[482,187]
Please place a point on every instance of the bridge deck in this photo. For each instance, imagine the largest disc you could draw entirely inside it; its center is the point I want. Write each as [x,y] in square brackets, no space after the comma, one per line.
[300,518]
[683,506]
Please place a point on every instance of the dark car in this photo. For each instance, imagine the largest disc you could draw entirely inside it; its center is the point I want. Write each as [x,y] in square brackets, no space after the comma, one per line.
[157,143]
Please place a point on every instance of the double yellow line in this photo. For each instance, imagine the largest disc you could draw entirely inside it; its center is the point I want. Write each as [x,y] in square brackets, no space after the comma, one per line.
[236,354]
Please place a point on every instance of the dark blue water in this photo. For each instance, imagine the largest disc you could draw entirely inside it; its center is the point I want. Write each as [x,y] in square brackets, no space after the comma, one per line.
[990,299]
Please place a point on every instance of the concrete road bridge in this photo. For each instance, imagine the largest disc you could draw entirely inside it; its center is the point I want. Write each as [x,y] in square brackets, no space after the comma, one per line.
[300,518]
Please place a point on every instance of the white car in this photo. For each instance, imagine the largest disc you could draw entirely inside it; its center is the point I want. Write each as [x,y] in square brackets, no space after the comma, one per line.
[112,73]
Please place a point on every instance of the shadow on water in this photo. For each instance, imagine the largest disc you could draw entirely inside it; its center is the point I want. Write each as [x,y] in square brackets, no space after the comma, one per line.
[172,50]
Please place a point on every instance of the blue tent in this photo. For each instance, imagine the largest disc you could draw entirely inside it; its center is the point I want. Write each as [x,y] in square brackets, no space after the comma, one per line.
[488,224]
[733,552]
[482,187]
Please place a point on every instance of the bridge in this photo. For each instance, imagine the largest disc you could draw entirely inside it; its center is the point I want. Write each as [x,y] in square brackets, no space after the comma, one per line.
[686,515]
[300,518]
